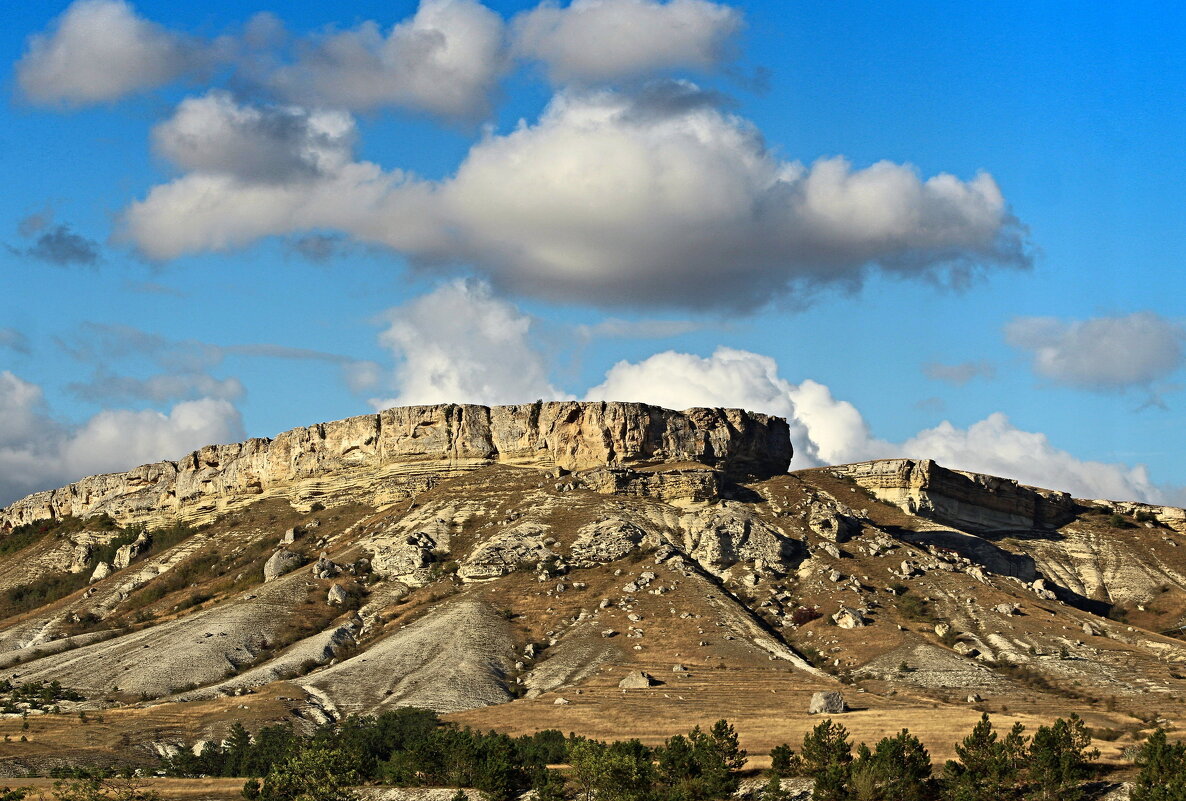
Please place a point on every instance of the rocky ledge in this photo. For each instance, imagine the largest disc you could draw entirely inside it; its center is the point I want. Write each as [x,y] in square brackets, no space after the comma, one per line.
[970,501]
[382,458]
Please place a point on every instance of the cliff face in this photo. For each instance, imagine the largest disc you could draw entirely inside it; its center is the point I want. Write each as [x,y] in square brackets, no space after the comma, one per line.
[382,458]
[970,501]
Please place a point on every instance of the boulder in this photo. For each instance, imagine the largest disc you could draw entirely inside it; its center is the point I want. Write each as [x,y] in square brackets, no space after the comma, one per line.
[102,571]
[966,649]
[337,595]
[638,680]
[848,618]
[281,562]
[832,524]
[128,553]
[827,703]
[291,535]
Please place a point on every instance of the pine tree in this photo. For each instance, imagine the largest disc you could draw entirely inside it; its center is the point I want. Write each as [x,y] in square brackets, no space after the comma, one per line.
[988,767]
[1163,770]
[784,761]
[899,769]
[313,774]
[1059,760]
[236,751]
[827,758]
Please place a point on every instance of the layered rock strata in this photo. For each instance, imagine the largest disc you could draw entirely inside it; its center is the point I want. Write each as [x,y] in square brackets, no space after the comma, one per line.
[382,458]
[968,501]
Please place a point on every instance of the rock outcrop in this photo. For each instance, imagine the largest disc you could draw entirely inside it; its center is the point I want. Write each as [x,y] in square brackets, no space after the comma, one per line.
[382,458]
[969,501]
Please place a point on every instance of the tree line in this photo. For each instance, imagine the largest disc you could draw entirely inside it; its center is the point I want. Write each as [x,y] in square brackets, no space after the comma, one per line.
[413,747]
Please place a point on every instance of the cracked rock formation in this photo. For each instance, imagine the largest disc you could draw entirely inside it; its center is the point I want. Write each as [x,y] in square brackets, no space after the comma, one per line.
[969,501]
[382,458]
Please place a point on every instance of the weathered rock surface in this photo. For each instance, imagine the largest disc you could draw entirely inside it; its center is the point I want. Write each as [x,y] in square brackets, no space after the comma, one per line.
[970,501]
[503,553]
[384,457]
[454,659]
[827,703]
[637,680]
[281,562]
[848,618]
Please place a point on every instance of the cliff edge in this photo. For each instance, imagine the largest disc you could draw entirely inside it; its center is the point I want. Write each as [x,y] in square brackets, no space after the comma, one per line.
[382,458]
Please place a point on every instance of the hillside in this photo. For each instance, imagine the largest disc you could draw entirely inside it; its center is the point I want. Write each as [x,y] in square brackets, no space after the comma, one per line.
[509,566]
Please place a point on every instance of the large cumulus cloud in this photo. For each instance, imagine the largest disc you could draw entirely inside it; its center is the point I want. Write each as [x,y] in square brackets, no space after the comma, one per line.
[461,344]
[658,198]
[98,51]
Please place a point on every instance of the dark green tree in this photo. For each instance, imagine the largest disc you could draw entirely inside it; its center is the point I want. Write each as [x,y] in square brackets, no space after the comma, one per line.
[619,772]
[784,761]
[313,774]
[898,769]
[827,758]
[988,768]
[235,751]
[1060,758]
[1163,770]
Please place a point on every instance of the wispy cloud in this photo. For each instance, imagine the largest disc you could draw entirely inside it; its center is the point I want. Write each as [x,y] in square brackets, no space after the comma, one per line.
[959,374]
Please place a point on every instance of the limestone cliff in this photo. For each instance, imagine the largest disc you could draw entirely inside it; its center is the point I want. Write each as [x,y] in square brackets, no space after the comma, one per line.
[382,458]
[970,501]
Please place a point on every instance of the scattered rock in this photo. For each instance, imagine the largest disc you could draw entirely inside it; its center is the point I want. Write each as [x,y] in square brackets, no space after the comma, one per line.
[337,595]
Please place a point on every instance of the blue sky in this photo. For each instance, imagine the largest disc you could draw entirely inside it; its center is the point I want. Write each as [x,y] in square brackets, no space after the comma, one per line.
[220,224]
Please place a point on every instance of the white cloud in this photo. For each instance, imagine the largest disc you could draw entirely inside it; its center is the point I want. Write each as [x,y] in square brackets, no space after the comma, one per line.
[1101,353]
[99,51]
[606,40]
[460,344]
[827,431]
[994,446]
[823,430]
[37,452]
[959,374]
[214,134]
[446,59]
[655,199]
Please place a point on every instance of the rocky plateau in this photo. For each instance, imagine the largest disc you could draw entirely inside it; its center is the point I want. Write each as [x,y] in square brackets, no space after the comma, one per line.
[612,569]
